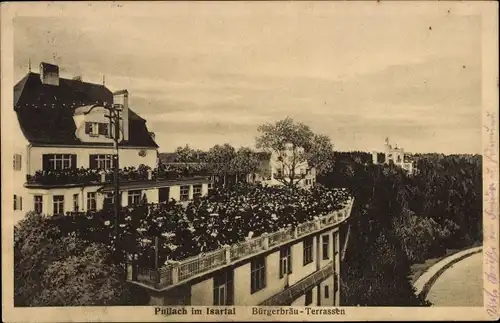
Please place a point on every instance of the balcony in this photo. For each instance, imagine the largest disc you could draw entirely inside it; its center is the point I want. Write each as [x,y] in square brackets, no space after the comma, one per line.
[184,270]
[87,176]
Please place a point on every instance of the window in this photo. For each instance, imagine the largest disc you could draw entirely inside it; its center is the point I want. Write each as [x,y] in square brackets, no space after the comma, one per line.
[197,190]
[101,161]
[58,204]
[95,129]
[76,206]
[91,201]
[18,202]
[58,161]
[38,202]
[327,292]
[184,193]
[279,173]
[285,261]
[309,297]
[104,129]
[17,162]
[326,247]
[258,274]
[308,251]
[134,197]
[223,288]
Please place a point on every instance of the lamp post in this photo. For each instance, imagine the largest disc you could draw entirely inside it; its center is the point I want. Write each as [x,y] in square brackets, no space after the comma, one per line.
[114,122]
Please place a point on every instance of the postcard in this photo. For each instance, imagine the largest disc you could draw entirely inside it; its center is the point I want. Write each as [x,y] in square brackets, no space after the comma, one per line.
[250,161]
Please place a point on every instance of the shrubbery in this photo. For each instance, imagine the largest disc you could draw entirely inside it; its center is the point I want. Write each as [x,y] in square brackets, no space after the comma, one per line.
[399,220]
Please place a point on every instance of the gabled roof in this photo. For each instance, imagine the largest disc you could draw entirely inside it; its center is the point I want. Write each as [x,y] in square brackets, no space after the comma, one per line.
[45,112]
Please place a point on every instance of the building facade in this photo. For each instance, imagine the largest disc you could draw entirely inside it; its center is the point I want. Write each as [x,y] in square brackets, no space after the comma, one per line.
[65,136]
[396,156]
[276,169]
[298,266]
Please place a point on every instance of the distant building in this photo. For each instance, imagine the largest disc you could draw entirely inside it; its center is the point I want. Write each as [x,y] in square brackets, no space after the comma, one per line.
[272,171]
[396,156]
[63,133]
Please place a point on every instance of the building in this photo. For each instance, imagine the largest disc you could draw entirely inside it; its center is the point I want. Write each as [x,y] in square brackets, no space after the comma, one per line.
[63,149]
[396,156]
[297,266]
[271,170]
[276,169]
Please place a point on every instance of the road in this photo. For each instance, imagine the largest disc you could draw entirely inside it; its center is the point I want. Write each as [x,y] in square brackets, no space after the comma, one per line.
[459,285]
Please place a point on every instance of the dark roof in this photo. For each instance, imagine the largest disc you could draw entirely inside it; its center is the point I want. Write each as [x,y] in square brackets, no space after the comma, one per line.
[45,112]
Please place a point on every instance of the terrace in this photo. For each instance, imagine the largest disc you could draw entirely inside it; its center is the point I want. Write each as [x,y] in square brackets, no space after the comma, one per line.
[176,272]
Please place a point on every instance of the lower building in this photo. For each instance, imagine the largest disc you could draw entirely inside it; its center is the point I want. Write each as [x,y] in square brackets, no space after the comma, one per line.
[297,266]
[58,199]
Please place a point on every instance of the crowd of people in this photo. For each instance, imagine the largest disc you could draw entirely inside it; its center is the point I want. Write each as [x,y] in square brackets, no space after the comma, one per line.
[224,217]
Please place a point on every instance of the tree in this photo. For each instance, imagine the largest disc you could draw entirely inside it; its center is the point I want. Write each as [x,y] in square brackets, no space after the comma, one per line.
[219,160]
[244,163]
[188,155]
[295,146]
[52,268]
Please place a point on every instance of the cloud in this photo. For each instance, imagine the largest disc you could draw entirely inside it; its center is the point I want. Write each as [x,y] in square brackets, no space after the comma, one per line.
[205,75]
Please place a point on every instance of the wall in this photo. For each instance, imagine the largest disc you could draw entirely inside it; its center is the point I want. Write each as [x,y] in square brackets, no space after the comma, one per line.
[202,293]
[301,301]
[299,271]
[331,299]
[242,282]
[67,192]
[128,156]
[28,198]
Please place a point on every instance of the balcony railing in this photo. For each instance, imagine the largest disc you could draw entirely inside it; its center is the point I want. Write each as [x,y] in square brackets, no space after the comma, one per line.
[177,272]
[88,176]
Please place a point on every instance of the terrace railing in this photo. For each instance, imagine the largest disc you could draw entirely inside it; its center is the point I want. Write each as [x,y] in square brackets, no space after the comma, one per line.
[179,271]
[90,176]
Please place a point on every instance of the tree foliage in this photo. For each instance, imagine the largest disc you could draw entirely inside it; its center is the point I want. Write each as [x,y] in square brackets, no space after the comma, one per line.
[294,145]
[399,220]
[56,269]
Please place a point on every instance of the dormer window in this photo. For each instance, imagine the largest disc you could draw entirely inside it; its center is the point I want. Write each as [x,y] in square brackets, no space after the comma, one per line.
[96,129]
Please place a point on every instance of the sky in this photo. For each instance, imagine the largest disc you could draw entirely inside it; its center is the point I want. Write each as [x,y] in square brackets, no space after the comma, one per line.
[204,76]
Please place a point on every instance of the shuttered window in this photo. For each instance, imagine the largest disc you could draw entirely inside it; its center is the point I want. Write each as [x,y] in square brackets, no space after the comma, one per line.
[18,203]
[17,162]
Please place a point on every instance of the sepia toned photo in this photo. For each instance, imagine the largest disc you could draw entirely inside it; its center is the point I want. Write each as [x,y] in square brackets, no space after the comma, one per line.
[250,161]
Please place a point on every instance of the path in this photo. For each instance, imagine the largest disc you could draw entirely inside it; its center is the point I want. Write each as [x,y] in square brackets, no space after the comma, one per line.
[459,285]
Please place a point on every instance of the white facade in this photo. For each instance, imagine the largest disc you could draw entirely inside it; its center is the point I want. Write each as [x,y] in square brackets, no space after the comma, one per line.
[272,169]
[396,156]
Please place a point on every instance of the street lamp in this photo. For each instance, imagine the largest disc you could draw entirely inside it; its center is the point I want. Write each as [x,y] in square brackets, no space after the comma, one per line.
[114,122]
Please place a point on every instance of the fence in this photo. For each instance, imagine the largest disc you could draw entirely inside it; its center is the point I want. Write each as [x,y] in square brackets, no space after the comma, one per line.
[176,272]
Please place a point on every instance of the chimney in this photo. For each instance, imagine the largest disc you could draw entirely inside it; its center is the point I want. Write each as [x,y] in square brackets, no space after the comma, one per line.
[121,97]
[49,74]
